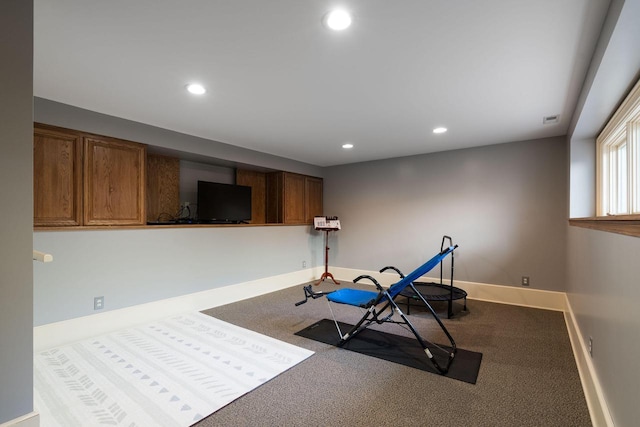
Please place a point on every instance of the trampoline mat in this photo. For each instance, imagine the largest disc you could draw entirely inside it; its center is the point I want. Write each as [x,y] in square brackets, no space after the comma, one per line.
[434,292]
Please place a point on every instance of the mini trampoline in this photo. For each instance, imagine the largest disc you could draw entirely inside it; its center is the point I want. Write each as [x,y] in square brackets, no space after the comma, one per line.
[432,291]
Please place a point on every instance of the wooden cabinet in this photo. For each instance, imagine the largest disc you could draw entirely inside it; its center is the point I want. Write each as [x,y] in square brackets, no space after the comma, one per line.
[57,177]
[258,183]
[84,179]
[313,198]
[163,187]
[293,198]
[114,182]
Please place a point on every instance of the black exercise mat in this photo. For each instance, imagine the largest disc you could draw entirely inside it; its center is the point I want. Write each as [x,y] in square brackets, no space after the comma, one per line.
[395,348]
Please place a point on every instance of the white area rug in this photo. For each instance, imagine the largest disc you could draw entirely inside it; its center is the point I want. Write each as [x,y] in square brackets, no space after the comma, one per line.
[172,372]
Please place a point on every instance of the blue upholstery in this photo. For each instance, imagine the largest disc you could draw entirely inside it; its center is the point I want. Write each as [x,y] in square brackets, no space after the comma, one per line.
[355,297]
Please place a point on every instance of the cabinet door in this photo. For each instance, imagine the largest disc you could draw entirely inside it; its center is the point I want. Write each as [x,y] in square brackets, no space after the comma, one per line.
[313,198]
[57,180]
[274,197]
[294,185]
[258,183]
[114,191]
[163,187]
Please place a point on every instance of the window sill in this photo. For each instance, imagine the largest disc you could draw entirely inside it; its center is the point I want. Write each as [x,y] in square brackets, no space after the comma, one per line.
[628,225]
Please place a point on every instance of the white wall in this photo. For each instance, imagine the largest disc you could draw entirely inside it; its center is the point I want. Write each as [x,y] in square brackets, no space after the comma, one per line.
[16,187]
[505,205]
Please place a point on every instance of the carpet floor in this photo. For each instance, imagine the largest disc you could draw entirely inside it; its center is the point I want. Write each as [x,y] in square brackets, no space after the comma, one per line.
[528,375]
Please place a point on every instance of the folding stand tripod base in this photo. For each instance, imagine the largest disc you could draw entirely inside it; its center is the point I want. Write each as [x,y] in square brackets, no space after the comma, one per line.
[327,276]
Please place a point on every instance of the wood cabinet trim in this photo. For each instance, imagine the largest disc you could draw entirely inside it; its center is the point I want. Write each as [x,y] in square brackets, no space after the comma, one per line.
[629,226]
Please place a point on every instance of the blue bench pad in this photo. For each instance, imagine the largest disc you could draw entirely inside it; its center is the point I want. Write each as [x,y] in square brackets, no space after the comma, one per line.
[355,297]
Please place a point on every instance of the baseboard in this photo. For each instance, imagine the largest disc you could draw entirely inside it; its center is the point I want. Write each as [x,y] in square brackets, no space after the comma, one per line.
[31,419]
[526,297]
[597,404]
[67,331]
[60,333]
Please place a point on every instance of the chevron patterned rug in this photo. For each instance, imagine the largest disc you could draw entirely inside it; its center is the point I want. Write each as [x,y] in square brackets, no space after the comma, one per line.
[172,372]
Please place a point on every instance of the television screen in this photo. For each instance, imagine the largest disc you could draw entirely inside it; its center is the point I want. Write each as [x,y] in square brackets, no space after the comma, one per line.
[223,203]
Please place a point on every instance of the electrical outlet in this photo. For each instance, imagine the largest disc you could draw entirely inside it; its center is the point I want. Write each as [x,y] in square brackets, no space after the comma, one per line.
[98,303]
[525,280]
[304,264]
[590,346]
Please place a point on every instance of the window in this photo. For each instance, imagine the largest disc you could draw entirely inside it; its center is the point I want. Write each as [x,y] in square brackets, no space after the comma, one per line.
[618,158]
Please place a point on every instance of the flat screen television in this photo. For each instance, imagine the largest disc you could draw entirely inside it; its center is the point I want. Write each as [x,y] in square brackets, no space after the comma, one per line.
[223,203]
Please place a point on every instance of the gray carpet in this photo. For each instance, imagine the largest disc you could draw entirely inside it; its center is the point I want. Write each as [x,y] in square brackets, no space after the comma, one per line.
[528,375]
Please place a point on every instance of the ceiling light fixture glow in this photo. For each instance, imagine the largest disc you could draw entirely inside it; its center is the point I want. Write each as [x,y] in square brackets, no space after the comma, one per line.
[337,20]
[440,130]
[347,146]
[196,89]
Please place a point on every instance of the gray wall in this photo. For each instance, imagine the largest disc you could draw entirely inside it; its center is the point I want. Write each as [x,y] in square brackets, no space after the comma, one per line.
[505,205]
[603,290]
[130,267]
[582,199]
[602,268]
[611,74]
[191,147]
[16,172]
[192,172]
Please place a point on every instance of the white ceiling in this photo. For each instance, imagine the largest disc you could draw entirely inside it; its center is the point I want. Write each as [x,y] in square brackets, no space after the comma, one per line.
[279,82]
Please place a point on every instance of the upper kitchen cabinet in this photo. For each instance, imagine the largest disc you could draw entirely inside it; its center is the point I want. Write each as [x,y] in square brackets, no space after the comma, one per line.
[82,179]
[57,177]
[114,182]
[293,198]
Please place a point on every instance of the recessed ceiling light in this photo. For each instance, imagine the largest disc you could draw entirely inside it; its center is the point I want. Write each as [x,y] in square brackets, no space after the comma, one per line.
[196,89]
[337,20]
[347,146]
[439,130]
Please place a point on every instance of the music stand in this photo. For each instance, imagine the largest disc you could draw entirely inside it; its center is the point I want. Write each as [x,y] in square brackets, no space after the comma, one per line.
[326,224]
